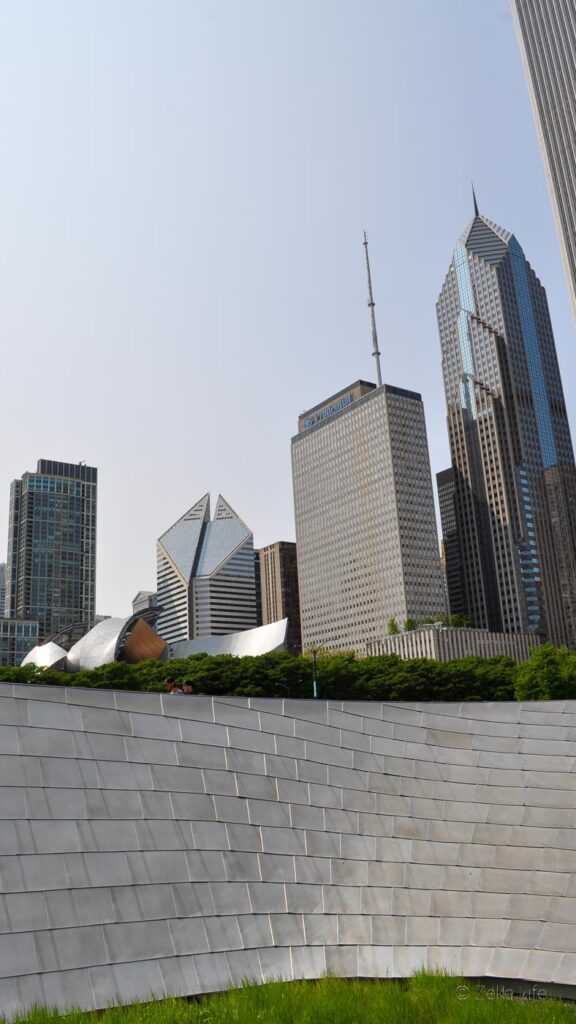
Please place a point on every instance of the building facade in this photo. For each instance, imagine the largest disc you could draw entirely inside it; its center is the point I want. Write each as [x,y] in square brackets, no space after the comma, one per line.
[279,590]
[205,574]
[144,600]
[17,638]
[51,568]
[365,522]
[2,587]
[508,429]
[546,32]
[451,561]
[445,643]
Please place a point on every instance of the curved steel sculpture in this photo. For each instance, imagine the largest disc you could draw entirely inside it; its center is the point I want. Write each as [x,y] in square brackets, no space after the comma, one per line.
[156,844]
[133,639]
[247,643]
[47,655]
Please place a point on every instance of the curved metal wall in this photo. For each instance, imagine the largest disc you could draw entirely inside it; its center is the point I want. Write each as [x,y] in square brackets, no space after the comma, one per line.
[156,844]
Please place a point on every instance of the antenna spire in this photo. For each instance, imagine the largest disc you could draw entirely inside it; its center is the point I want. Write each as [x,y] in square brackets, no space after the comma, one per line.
[375,351]
[476,212]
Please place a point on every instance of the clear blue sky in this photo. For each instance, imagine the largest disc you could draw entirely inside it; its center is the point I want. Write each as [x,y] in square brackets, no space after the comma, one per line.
[184,185]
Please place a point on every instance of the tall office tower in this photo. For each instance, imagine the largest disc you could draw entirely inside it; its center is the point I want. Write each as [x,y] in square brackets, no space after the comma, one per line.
[205,574]
[365,522]
[279,590]
[547,34]
[258,586]
[445,483]
[51,570]
[2,587]
[512,458]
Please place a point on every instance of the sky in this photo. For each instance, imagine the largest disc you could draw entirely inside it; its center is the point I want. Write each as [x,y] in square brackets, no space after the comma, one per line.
[184,187]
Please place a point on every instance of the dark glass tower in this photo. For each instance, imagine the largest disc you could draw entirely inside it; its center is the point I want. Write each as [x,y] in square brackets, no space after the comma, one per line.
[51,571]
[514,487]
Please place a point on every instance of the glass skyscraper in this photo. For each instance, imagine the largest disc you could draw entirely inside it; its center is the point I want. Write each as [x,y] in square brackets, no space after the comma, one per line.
[366,537]
[51,569]
[513,489]
[547,35]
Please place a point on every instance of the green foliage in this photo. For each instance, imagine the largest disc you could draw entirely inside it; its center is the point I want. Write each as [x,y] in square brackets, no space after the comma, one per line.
[426,998]
[550,674]
[456,621]
[392,627]
[410,624]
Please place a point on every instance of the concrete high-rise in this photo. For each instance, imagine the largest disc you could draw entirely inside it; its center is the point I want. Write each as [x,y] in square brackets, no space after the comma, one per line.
[51,569]
[513,485]
[205,574]
[279,590]
[365,522]
[547,34]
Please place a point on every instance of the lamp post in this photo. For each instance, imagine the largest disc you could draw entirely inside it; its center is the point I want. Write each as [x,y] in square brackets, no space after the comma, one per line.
[314,653]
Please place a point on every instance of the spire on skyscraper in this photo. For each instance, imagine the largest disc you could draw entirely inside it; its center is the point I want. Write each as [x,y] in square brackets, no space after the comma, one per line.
[375,351]
[476,210]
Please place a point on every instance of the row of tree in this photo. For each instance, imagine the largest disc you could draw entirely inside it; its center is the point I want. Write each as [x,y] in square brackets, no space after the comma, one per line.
[550,674]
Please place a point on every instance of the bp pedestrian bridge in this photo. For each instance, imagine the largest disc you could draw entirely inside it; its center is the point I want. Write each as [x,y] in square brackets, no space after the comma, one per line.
[154,844]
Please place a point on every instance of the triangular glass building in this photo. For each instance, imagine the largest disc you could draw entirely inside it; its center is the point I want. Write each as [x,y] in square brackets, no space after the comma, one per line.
[205,574]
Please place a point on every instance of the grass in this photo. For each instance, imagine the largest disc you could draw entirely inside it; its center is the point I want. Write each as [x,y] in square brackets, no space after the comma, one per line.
[424,999]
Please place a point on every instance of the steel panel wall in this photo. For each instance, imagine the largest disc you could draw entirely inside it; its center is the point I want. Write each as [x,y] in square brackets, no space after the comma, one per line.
[154,845]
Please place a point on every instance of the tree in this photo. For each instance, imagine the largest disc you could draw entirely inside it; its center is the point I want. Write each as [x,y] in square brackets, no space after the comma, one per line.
[392,627]
[410,624]
[547,675]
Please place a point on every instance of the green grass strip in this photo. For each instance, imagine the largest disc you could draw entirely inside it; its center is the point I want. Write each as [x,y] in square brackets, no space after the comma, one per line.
[424,999]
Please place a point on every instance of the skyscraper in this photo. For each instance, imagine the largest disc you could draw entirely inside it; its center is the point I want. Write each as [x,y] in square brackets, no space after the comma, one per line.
[279,590]
[205,574]
[547,34]
[514,488]
[51,569]
[445,482]
[365,522]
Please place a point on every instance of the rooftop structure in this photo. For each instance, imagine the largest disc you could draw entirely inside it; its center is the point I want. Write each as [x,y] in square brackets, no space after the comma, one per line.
[448,643]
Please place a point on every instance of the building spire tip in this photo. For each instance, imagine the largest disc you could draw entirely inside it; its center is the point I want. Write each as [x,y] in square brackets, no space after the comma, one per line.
[375,350]
[476,211]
